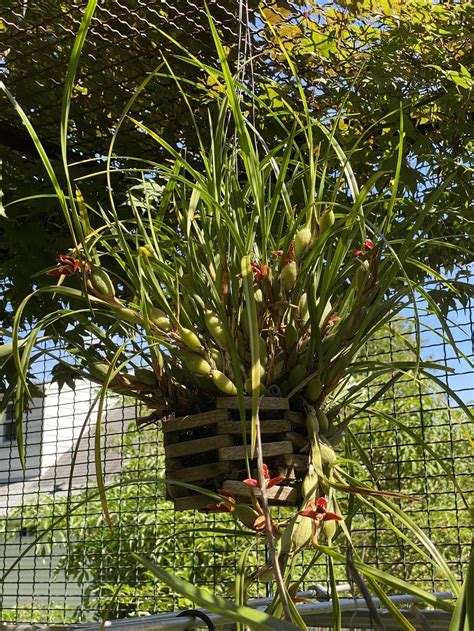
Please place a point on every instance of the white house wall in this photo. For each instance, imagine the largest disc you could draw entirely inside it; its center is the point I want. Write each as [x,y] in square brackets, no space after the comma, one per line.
[64,415]
[52,430]
[51,427]
[35,582]
[10,465]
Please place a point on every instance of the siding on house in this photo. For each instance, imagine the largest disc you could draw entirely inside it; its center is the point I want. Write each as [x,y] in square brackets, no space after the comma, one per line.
[10,465]
[35,583]
[58,429]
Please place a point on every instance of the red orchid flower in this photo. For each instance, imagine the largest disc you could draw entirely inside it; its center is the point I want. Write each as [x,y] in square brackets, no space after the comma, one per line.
[269,482]
[290,256]
[67,266]
[367,246]
[259,271]
[224,506]
[318,511]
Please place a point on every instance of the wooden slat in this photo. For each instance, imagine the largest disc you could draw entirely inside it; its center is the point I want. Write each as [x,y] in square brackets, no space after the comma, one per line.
[170,438]
[203,472]
[292,466]
[172,465]
[298,461]
[266,403]
[194,420]
[198,446]
[277,495]
[299,441]
[269,449]
[278,426]
[173,491]
[295,417]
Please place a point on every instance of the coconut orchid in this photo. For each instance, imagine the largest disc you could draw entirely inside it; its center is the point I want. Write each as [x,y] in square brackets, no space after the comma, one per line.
[259,271]
[367,246]
[227,505]
[269,482]
[318,511]
[67,266]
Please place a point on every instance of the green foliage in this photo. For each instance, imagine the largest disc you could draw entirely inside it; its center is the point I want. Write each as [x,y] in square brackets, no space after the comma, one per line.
[412,441]
[199,548]
[262,238]
[38,612]
[417,52]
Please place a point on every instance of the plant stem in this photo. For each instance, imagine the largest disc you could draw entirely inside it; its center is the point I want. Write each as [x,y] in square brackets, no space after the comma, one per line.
[269,526]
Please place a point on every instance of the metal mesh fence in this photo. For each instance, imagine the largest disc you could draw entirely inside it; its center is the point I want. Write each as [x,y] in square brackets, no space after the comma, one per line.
[125,43]
[59,570]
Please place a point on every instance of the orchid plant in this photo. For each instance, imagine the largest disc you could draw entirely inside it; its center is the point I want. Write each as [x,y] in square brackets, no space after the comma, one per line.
[261,268]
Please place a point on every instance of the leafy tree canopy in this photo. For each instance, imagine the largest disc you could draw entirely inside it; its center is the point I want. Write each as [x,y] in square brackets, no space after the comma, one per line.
[378,63]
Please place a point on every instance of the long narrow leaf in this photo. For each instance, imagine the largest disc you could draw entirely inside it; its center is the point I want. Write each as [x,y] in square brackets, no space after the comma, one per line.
[399,584]
[258,620]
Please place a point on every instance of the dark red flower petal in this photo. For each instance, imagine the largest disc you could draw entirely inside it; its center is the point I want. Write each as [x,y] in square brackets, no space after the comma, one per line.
[274,481]
[223,507]
[368,245]
[220,508]
[251,482]
[65,259]
[227,495]
[322,503]
[259,271]
[320,513]
[67,266]
[331,516]
[269,482]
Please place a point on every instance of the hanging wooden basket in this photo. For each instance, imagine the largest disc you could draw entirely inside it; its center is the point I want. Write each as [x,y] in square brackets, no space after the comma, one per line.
[209,450]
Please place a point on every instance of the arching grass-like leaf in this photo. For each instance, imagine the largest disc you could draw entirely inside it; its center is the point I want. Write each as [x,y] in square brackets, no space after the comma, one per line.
[403,586]
[238,613]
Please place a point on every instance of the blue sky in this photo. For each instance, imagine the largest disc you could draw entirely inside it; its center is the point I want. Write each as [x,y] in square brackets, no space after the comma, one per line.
[461,325]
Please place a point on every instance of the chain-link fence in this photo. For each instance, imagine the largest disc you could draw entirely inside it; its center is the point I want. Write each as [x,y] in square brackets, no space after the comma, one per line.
[57,569]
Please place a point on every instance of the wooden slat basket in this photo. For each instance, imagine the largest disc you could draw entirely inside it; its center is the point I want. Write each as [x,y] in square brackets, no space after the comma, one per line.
[208,450]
